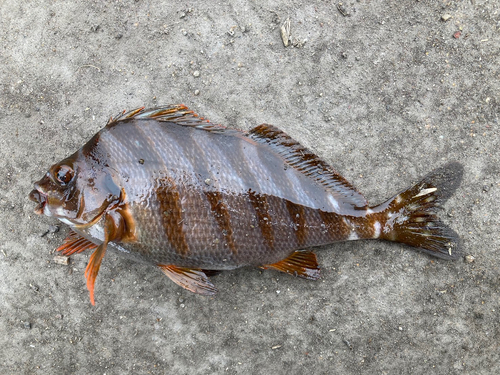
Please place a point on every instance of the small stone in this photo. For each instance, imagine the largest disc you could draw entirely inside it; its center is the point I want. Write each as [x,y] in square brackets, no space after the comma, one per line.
[486,188]
[26,325]
[53,228]
[342,10]
[197,92]
[285,32]
[208,181]
[446,17]
[196,73]
[58,259]
[34,287]
[457,35]
[141,161]
[469,258]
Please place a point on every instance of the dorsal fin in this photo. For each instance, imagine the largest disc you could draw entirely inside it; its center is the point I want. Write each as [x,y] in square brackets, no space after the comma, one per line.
[302,159]
[178,114]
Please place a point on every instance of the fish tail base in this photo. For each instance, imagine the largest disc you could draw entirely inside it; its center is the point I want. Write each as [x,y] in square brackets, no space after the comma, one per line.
[410,217]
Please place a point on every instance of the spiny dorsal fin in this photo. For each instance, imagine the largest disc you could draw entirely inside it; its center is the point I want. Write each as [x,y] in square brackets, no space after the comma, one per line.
[74,243]
[191,279]
[178,114]
[299,263]
[302,159]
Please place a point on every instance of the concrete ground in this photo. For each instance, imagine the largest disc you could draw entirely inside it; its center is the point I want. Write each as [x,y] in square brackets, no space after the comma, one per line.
[384,90]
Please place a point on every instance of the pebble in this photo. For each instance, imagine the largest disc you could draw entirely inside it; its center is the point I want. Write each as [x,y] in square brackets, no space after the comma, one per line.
[53,228]
[58,259]
[469,258]
[197,92]
[196,73]
[446,17]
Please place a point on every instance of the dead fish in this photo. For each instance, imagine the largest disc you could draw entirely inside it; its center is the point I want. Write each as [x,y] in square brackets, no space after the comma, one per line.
[166,187]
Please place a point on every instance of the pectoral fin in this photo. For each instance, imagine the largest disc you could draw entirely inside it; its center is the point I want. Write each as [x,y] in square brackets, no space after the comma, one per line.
[299,263]
[191,279]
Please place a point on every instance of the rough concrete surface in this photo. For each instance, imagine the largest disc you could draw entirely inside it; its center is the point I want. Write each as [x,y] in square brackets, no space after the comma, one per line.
[384,90]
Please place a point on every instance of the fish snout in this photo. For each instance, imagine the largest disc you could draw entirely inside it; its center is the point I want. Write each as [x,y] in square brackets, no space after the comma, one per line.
[40,198]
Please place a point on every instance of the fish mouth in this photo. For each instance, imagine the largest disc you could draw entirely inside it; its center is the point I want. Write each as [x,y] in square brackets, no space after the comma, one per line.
[40,198]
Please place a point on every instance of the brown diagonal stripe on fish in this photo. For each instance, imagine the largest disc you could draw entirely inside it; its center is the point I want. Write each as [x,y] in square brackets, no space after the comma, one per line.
[166,187]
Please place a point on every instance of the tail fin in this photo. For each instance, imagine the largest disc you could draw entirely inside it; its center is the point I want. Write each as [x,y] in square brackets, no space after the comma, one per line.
[410,216]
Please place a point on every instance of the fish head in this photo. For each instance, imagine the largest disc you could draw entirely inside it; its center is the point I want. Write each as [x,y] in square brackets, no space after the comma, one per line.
[77,190]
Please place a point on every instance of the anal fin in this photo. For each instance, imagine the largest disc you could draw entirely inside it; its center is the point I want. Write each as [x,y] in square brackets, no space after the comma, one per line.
[74,243]
[299,263]
[193,280]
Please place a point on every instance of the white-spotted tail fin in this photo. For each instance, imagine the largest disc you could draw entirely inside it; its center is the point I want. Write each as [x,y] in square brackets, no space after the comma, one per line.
[410,217]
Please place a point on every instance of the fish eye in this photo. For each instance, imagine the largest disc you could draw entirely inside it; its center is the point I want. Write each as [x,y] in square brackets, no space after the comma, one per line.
[64,174]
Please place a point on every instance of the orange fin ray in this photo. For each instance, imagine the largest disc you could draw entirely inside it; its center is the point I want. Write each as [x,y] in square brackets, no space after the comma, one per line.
[74,243]
[178,114]
[299,263]
[93,269]
[193,280]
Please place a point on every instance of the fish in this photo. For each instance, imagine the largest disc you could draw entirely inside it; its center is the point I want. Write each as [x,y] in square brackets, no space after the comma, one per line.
[166,187]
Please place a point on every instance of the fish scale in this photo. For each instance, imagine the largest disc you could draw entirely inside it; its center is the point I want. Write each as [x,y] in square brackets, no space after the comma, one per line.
[168,188]
[248,220]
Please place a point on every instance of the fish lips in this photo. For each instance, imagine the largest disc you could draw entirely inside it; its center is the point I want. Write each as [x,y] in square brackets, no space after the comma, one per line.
[40,198]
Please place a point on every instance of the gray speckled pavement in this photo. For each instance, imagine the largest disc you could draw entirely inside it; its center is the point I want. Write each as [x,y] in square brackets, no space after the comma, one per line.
[385,93]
